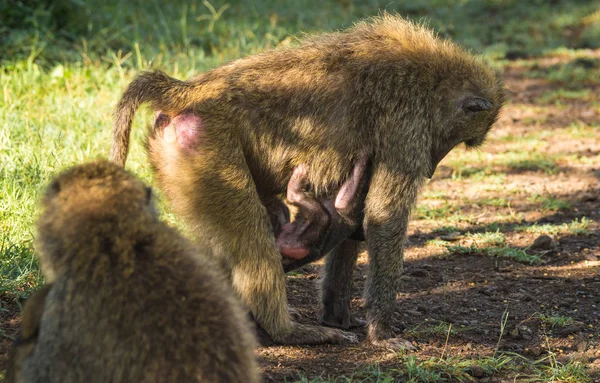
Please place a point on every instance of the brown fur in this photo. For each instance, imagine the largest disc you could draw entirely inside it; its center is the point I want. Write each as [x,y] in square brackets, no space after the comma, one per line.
[27,335]
[386,87]
[131,299]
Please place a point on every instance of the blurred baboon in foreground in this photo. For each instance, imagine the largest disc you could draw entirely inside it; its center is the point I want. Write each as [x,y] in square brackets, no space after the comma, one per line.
[232,137]
[131,300]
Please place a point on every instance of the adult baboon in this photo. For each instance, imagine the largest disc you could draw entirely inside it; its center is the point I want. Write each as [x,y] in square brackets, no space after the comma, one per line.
[131,300]
[386,88]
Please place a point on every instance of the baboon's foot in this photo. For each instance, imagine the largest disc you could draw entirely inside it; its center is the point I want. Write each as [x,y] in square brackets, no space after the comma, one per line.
[306,334]
[336,313]
[383,336]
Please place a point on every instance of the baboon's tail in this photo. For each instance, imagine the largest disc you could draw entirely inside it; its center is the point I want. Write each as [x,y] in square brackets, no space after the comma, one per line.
[164,92]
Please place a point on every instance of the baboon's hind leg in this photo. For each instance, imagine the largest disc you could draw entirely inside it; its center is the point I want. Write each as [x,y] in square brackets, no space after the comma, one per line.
[337,286]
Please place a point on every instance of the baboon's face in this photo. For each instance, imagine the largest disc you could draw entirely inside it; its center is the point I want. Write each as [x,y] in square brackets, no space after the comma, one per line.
[469,116]
[478,114]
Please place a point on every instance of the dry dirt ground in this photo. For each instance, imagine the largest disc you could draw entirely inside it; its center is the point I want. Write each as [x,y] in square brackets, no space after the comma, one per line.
[538,173]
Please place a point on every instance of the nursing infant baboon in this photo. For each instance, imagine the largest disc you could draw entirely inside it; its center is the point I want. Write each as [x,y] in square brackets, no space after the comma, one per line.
[130,299]
[320,224]
[386,93]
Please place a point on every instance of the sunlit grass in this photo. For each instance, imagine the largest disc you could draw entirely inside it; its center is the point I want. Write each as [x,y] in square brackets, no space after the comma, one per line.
[50,120]
[572,74]
[556,96]
[549,203]
[519,255]
[520,158]
[575,227]
[412,369]
[488,238]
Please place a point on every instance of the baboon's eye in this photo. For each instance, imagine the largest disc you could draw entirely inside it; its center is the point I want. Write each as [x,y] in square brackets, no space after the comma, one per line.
[476,104]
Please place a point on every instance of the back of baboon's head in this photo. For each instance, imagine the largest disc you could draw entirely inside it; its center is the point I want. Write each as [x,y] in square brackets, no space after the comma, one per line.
[97,201]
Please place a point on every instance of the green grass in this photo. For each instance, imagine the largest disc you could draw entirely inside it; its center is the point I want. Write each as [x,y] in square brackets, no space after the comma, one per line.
[572,372]
[437,242]
[575,227]
[491,243]
[203,31]
[572,74]
[552,321]
[494,201]
[525,156]
[549,203]
[556,96]
[579,129]
[50,120]
[428,212]
[488,238]
[519,255]
[411,369]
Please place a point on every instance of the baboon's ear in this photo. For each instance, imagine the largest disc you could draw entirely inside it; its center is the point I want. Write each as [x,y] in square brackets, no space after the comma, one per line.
[476,104]
[148,195]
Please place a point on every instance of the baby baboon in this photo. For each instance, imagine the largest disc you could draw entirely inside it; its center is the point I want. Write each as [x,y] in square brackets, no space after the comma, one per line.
[131,300]
[320,225]
[386,88]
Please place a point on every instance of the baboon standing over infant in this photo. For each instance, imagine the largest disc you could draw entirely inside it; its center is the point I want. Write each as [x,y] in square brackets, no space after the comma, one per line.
[229,139]
[129,299]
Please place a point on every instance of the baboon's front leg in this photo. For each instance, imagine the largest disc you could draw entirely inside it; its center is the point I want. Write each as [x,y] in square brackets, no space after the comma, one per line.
[387,209]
